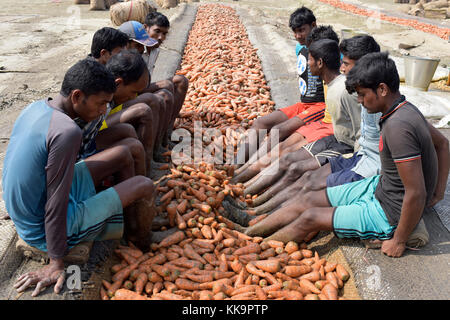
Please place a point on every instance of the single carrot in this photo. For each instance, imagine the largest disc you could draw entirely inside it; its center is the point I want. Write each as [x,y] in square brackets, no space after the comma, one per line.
[311,296]
[171,213]
[308,285]
[187,284]
[251,248]
[206,231]
[251,268]
[190,253]
[342,273]
[296,271]
[312,276]
[331,278]
[168,196]
[140,283]
[148,287]
[202,278]
[291,247]
[275,244]
[103,294]
[271,266]
[330,266]
[124,294]
[172,239]
[330,292]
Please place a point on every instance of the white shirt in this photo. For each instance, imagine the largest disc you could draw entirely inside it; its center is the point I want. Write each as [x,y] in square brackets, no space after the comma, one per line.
[150,58]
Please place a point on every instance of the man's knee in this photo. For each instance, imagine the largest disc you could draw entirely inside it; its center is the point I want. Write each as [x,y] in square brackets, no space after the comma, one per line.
[135,146]
[146,185]
[166,85]
[142,112]
[126,130]
[181,83]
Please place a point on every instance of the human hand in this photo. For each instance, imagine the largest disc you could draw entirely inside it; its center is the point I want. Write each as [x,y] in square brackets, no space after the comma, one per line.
[393,248]
[51,273]
[437,196]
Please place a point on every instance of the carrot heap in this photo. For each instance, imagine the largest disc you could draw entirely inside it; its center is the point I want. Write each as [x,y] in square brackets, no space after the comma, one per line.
[183,267]
[443,33]
[207,258]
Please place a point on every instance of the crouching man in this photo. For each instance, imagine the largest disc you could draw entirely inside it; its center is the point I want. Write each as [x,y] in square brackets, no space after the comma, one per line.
[51,198]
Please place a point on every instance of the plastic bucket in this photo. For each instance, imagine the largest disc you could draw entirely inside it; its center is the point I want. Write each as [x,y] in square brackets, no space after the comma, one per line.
[419,71]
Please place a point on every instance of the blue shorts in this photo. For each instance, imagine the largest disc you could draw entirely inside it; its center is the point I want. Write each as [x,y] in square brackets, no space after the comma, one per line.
[90,215]
[358,214]
[341,171]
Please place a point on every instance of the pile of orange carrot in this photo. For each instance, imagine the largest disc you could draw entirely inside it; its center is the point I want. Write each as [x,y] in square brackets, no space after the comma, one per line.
[443,33]
[223,264]
[208,258]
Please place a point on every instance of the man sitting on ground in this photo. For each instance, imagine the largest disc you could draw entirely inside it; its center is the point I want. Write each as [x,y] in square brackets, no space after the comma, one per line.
[157,26]
[106,43]
[312,129]
[386,207]
[343,114]
[289,119]
[51,198]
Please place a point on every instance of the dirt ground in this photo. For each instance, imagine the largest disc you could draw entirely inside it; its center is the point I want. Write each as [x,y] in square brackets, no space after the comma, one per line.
[41,39]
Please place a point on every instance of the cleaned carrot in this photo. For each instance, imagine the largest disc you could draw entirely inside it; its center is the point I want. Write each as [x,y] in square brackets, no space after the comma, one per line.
[332,279]
[202,278]
[168,196]
[206,231]
[251,268]
[311,296]
[330,292]
[140,283]
[190,253]
[202,207]
[342,273]
[124,294]
[275,244]
[296,271]
[251,248]
[172,239]
[291,247]
[308,285]
[187,284]
[168,296]
[103,294]
[312,276]
[306,253]
[271,266]
[330,266]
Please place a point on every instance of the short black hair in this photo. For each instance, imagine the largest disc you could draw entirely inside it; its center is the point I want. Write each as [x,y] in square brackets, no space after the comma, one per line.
[128,65]
[89,76]
[328,51]
[157,18]
[300,17]
[357,47]
[108,39]
[321,32]
[371,70]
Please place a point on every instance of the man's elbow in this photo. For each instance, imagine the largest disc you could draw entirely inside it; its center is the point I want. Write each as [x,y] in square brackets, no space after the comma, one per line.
[418,195]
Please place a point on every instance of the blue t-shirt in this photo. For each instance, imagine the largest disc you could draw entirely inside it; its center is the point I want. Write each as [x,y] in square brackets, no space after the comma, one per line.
[37,175]
[311,87]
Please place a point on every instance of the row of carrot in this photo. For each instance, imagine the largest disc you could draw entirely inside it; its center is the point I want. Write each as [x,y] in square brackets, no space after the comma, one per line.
[208,257]
[443,33]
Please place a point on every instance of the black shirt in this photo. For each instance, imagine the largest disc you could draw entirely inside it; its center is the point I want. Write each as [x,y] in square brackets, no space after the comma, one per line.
[405,136]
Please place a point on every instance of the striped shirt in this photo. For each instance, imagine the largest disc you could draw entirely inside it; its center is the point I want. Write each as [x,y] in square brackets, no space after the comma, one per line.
[405,136]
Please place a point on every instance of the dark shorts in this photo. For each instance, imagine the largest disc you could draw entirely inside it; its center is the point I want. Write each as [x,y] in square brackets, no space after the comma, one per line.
[327,148]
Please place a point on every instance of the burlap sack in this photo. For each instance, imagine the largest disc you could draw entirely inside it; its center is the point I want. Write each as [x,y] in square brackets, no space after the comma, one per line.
[135,10]
[167,4]
[97,5]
